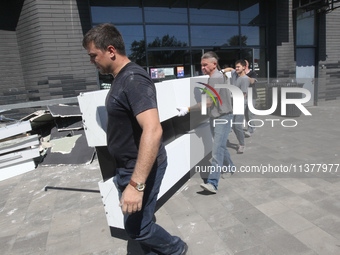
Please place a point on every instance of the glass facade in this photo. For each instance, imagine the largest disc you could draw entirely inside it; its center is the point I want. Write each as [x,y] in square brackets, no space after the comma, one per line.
[174,34]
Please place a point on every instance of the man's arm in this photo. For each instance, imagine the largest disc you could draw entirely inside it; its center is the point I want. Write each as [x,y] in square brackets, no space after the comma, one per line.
[148,120]
[252,77]
[228,69]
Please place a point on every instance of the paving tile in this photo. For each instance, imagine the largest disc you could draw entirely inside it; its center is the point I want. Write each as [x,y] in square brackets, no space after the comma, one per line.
[330,224]
[294,185]
[238,238]
[292,222]
[33,244]
[319,241]
[261,249]
[303,207]
[272,208]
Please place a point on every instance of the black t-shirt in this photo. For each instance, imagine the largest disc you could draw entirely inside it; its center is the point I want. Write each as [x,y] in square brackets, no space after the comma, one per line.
[253,75]
[131,93]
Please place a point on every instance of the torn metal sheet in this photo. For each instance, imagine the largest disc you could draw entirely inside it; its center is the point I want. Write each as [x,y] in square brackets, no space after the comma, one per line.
[67,124]
[19,143]
[81,153]
[39,118]
[64,111]
[64,145]
[15,129]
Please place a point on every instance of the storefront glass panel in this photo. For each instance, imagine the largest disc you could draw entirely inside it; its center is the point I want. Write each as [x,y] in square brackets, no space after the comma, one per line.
[214,36]
[167,36]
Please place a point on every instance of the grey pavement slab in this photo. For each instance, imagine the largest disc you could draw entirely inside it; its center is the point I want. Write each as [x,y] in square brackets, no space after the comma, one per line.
[263,213]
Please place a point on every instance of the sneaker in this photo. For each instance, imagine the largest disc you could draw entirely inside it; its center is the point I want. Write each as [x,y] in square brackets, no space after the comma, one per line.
[240,149]
[208,187]
[226,175]
[247,134]
[185,249]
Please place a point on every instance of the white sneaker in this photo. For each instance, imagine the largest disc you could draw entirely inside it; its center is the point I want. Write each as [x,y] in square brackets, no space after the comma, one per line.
[247,134]
[240,149]
[208,187]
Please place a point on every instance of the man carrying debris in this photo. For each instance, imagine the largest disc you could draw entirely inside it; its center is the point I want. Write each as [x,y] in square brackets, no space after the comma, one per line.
[134,139]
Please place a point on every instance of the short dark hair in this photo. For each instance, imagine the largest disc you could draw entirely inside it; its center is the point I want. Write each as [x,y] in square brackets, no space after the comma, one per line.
[241,61]
[103,36]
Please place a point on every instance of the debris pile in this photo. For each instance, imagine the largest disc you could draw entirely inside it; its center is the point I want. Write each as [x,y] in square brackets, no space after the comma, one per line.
[47,137]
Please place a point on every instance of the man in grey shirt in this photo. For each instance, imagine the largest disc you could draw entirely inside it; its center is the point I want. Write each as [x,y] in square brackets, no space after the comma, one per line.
[220,121]
[240,80]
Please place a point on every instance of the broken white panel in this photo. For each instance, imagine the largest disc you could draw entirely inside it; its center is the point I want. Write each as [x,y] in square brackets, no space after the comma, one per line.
[19,143]
[181,158]
[110,198]
[17,157]
[92,107]
[16,169]
[15,129]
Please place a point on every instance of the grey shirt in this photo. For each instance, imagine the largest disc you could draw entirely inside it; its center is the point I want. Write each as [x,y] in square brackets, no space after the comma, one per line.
[241,82]
[216,111]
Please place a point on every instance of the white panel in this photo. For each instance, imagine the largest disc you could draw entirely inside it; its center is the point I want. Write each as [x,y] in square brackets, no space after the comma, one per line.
[178,153]
[15,129]
[110,199]
[19,143]
[200,143]
[20,156]
[17,169]
[181,158]
[92,106]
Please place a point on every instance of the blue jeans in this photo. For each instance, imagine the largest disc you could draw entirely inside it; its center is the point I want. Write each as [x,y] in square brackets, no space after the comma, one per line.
[220,153]
[238,123]
[250,116]
[140,225]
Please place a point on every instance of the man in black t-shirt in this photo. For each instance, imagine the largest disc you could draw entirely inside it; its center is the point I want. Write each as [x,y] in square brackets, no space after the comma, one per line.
[134,139]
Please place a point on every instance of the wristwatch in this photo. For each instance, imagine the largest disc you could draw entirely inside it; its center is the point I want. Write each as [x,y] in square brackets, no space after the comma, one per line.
[137,186]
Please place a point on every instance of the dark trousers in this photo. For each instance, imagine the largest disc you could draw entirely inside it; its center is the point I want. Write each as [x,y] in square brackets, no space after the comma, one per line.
[140,225]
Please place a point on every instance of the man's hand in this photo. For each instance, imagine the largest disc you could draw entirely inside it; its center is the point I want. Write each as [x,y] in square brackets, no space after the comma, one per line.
[182,111]
[131,201]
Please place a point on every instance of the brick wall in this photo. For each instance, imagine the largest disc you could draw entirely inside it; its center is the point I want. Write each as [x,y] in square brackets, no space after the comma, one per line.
[286,65]
[53,64]
[329,67]
[12,87]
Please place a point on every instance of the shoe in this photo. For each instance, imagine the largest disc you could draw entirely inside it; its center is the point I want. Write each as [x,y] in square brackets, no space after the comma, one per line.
[247,134]
[240,149]
[208,187]
[226,175]
[185,249]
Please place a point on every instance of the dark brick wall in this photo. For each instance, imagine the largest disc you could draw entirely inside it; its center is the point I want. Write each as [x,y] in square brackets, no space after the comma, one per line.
[12,87]
[329,67]
[286,65]
[52,62]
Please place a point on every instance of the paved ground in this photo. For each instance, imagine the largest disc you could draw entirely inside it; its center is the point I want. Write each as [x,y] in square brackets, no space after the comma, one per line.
[251,214]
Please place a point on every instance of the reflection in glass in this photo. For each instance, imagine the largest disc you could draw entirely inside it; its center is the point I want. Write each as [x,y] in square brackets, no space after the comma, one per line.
[250,12]
[167,36]
[214,12]
[132,35]
[252,35]
[214,36]
[166,15]
[114,15]
[305,28]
